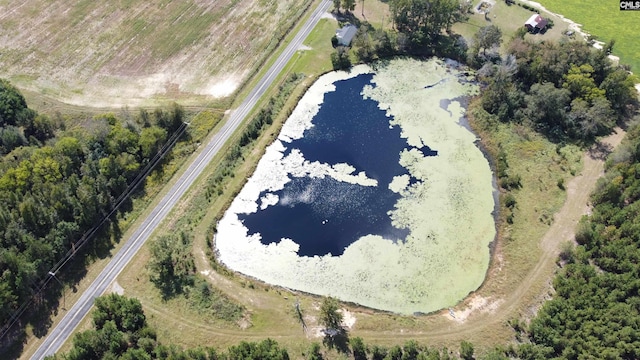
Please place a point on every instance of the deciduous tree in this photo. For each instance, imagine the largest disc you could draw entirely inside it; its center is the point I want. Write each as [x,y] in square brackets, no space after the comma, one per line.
[358,348]
[330,317]
[151,140]
[423,20]
[340,58]
[336,5]
[171,267]
[466,350]
[547,108]
[349,5]
[487,37]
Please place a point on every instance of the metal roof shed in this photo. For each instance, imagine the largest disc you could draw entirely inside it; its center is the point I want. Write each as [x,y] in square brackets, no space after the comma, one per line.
[346,34]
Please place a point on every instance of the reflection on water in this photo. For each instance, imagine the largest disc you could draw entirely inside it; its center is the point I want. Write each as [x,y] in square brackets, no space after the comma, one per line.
[324,215]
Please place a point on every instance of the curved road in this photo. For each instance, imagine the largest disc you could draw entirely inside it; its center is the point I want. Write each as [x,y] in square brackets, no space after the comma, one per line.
[67,325]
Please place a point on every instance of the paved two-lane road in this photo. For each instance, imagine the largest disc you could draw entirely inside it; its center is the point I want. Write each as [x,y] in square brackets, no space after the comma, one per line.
[79,310]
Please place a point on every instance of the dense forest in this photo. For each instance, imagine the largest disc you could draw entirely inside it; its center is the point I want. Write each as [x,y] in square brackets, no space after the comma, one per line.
[57,186]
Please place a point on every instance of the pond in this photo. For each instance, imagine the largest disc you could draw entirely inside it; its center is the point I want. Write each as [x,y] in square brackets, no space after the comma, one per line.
[347,130]
[374,192]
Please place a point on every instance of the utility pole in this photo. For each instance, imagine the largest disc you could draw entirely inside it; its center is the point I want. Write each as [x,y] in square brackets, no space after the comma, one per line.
[64,295]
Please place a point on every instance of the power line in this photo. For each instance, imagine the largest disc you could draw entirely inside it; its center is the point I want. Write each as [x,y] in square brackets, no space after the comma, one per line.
[89,234]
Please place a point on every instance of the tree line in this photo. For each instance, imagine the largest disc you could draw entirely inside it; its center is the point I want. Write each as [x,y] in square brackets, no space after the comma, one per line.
[57,184]
[120,331]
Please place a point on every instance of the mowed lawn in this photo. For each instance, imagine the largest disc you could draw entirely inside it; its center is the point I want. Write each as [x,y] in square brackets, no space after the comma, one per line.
[604,20]
[509,19]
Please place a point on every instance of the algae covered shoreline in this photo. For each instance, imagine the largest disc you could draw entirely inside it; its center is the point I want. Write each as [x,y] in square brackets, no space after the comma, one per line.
[447,208]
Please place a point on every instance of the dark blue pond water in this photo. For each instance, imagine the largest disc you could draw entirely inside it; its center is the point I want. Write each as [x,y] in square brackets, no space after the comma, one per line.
[325,215]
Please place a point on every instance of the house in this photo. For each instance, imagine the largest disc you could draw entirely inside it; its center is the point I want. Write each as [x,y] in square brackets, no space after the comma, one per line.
[536,23]
[346,34]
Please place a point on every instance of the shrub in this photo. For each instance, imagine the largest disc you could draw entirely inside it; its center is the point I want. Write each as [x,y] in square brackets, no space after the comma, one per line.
[334,41]
[567,252]
[510,201]
[511,182]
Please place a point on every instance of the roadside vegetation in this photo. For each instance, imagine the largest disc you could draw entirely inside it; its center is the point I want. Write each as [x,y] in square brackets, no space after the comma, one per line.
[64,188]
[120,331]
[172,270]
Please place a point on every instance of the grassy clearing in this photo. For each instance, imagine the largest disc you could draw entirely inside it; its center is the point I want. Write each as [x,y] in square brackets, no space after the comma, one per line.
[543,167]
[316,60]
[509,19]
[375,12]
[604,21]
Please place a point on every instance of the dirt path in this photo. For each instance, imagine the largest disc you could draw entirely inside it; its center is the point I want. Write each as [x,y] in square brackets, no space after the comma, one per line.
[562,229]
[478,320]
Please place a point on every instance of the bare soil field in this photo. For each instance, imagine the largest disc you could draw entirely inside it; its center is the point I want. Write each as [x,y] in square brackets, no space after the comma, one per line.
[133,52]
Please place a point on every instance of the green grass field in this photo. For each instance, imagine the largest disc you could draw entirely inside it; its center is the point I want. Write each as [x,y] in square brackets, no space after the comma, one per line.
[509,19]
[605,21]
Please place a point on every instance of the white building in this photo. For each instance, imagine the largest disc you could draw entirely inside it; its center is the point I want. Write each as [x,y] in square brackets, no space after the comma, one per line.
[346,34]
